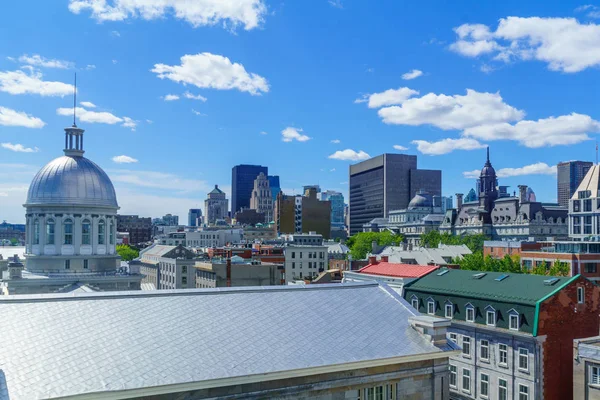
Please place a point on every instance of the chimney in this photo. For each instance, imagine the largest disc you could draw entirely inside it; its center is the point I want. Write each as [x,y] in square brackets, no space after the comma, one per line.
[523,194]
[228,269]
[432,328]
[372,260]
[459,200]
[15,268]
[383,259]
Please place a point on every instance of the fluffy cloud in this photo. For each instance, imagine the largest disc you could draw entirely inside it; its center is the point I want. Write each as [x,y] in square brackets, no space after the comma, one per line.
[389,97]
[19,148]
[124,159]
[39,61]
[88,104]
[206,70]
[451,112]
[336,141]
[248,13]
[415,73]
[10,117]
[198,113]
[189,95]
[400,148]
[98,117]
[264,133]
[18,82]
[290,134]
[171,97]
[539,168]
[349,155]
[563,43]
[446,146]
[552,131]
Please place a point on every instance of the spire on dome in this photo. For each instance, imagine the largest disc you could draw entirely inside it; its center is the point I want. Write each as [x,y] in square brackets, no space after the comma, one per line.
[73,134]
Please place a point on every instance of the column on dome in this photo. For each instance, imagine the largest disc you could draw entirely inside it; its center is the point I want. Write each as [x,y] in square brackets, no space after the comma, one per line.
[43,233]
[94,238]
[77,234]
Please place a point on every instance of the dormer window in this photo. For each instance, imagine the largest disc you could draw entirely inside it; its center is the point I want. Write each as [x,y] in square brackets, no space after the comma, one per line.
[449,309]
[430,306]
[414,301]
[513,320]
[470,313]
[490,316]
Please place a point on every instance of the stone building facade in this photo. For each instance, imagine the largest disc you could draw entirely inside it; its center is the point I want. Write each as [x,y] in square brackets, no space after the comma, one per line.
[302,214]
[262,198]
[215,206]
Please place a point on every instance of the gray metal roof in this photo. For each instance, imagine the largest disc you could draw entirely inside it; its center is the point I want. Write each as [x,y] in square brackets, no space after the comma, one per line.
[72,180]
[59,345]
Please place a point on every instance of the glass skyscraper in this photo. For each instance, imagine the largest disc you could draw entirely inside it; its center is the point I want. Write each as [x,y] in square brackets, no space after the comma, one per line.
[242,184]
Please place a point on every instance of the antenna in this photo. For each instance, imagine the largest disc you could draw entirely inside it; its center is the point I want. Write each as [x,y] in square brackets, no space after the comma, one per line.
[75,100]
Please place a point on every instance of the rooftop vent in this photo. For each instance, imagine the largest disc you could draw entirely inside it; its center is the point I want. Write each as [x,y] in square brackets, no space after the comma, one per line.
[501,277]
[443,272]
[551,281]
[479,276]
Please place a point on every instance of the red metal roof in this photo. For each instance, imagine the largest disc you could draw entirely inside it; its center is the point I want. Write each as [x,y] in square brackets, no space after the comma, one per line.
[398,270]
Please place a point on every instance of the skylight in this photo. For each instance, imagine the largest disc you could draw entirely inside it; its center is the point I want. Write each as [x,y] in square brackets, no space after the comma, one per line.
[501,277]
[551,281]
[479,276]
[443,272]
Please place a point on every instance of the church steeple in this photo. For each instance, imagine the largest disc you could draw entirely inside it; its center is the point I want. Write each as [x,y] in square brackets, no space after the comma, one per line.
[488,191]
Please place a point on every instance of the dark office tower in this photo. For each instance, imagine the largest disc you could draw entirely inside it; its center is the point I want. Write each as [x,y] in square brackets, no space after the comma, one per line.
[275,186]
[569,176]
[194,217]
[242,184]
[384,183]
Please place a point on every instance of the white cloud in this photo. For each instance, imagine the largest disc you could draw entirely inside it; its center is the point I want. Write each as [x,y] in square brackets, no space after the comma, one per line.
[198,113]
[230,13]
[446,146]
[90,66]
[149,121]
[189,95]
[95,117]
[39,61]
[336,3]
[19,148]
[593,11]
[349,155]
[539,168]
[451,112]
[206,70]
[565,44]
[332,170]
[336,141]
[400,148]
[124,159]
[10,117]
[389,97]
[18,82]
[170,97]
[290,134]
[552,131]
[264,133]
[415,73]
[88,104]
[115,33]
[114,62]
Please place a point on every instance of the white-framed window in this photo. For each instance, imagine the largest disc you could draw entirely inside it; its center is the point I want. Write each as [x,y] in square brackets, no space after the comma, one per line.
[68,231]
[101,231]
[523,359]
[36,232]
[466,380]
[513,319]
[86,231]
[449,310]
[466,346]
[490,316]
[484,383]
[415,302]
[523,392]
[502,389]
[453,376]
[595,375]
[470,313]
[502,354]
[484,350]
[50,231]
[580,295]
[381,392]
[454,337]
[430,307]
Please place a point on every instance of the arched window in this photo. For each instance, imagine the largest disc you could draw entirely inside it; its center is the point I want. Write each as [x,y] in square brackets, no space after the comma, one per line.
[50,231]
[36,232]
[86,232]
[101,232]
[68,231]
[111,233]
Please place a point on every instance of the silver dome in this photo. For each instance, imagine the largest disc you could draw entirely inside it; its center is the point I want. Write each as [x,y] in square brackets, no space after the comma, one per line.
[73,181]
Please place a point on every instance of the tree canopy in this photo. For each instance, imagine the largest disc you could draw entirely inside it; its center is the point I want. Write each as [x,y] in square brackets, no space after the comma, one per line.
[360,244]
[127,252]
[434,238]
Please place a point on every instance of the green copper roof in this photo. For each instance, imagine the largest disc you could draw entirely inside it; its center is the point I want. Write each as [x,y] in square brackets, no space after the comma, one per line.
[514,288]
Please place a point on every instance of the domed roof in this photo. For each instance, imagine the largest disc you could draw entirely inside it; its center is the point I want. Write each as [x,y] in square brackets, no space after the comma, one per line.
[421,199]
[487,169]
[72,180]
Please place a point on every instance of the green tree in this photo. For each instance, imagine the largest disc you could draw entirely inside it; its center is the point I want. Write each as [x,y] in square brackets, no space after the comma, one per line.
[434,238]
[540,269]
[14,242]
[127,252]
[560,268]
[361,243]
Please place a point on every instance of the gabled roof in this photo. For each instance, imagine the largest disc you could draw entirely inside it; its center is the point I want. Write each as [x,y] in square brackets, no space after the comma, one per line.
[398,270]
[157,250]
[514,288]
[109,342]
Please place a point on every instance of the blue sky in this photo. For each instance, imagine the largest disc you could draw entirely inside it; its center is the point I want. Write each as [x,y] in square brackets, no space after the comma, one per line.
[280,83]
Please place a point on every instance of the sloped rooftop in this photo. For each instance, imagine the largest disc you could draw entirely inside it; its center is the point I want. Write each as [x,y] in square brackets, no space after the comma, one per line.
[65,345]
[398,270]
[591,182]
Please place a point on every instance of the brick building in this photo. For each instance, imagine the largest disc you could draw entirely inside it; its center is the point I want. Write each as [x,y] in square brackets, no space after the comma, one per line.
[500,248]
[582,257]
[516,331]
[299,214]
[139,229]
